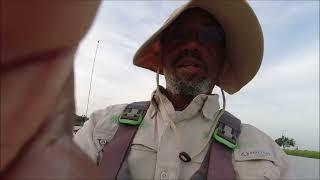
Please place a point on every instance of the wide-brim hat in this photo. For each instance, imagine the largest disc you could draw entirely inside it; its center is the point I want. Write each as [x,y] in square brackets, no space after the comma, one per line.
[244,42]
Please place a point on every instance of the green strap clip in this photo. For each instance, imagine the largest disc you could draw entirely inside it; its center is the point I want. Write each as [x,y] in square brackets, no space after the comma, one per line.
[220,138]
[228,130]
[133,113]
[225,136]
[130,119]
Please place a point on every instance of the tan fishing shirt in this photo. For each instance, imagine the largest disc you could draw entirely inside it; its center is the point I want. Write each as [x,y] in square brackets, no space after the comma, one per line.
[155,148]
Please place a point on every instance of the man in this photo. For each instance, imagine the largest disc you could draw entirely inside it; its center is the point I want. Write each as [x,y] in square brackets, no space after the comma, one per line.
[203,44]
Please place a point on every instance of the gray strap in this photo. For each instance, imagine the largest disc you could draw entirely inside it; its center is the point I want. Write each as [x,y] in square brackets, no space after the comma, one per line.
[217,163]
[230,120]
[116,150]
[142,105]
[220,163]
[201,174]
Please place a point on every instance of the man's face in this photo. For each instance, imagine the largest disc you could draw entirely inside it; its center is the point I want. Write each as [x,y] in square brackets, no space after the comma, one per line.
[193,52]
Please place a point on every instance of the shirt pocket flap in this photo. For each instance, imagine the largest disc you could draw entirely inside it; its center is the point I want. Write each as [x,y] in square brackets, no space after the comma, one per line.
[256,164]
[253,154]
[142,147]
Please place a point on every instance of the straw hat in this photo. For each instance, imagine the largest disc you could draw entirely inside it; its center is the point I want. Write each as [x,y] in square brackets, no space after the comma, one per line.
[244,42]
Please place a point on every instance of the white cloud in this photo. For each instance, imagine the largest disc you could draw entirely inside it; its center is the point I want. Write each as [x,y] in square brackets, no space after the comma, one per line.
[284,96]
[297,68]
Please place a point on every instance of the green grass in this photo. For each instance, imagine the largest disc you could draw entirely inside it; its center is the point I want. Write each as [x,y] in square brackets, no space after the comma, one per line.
[304,153]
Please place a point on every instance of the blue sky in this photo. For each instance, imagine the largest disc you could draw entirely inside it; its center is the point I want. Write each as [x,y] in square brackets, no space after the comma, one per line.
[282,99]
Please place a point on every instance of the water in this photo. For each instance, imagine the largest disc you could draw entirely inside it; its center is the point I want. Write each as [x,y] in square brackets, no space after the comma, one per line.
[305,168]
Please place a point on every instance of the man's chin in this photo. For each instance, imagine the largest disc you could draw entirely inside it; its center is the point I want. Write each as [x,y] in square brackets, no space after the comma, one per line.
[189,88]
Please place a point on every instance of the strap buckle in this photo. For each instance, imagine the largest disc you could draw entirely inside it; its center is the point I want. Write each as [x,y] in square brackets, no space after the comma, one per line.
[226,135]
[228,130]
[131,116]
[220,137]
[134,113]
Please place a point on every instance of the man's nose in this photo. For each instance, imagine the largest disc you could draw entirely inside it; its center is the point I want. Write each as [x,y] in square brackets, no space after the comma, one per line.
[192,43]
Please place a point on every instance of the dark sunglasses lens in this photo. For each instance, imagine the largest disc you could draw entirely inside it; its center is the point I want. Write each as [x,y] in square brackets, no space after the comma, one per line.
[210,36]
[175,37]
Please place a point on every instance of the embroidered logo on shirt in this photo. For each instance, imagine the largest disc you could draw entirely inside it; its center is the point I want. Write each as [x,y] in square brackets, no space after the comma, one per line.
[253,155]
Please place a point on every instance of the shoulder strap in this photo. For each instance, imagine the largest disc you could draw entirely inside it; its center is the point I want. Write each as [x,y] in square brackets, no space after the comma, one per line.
[115,151]
[218,161]
[228,130]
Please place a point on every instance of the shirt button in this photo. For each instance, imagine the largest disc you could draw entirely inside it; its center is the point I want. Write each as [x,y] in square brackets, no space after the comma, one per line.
[102,141]
[164,175]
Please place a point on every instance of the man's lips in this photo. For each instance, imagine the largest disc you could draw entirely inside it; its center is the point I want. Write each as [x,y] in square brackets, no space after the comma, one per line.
[189,70]
[190,63]
[189,66]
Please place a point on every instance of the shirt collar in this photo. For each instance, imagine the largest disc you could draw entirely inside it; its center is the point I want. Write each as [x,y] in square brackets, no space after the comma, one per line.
[207,104]
[211,106]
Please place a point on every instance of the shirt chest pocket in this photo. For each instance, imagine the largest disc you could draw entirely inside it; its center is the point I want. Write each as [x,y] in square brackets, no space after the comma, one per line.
[142,161]
[255,164]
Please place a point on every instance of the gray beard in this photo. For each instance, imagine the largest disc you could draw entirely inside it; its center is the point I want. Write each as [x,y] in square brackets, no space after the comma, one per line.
[187,88]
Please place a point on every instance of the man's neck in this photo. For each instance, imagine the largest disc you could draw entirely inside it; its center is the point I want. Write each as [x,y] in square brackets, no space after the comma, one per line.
[178,101]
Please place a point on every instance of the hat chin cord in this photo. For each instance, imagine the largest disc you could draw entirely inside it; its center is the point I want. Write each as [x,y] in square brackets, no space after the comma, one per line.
[173,126]
[157,79]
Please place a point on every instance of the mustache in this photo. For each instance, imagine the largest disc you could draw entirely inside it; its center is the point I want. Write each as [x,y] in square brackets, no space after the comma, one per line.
[191,53]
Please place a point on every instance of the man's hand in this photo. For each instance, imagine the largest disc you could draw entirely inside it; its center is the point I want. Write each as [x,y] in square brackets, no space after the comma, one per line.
[38,42]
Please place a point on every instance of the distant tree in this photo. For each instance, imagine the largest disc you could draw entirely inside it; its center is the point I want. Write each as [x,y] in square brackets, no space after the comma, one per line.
[79,120]
[285,142]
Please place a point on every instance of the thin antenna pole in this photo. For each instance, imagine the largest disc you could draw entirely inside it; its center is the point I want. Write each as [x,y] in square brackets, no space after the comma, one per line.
[94,60]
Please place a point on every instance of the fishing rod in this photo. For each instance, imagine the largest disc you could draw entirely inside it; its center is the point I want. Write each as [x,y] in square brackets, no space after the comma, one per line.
[94,60]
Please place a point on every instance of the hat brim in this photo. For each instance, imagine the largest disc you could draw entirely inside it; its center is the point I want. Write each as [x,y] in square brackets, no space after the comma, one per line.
[244,42]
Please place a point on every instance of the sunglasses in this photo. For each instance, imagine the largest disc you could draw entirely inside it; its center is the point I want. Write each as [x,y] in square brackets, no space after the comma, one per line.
[210,36]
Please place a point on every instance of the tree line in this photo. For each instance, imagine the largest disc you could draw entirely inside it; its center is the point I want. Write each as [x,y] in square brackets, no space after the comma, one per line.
[79,120]
[285,142]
